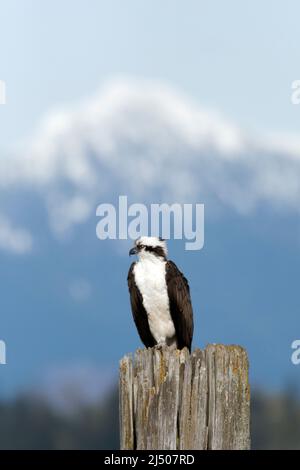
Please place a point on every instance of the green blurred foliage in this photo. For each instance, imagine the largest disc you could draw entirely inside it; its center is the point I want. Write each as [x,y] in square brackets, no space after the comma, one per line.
[31,423]
[28,422]
[275,420]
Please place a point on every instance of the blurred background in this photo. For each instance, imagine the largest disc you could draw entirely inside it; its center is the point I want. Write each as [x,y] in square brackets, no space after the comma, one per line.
[163,102]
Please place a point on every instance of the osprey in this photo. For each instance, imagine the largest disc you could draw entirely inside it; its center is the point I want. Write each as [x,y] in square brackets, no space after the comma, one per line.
[160,296]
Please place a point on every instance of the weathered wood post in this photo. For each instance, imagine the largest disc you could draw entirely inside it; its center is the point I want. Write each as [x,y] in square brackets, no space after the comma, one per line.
[179,401]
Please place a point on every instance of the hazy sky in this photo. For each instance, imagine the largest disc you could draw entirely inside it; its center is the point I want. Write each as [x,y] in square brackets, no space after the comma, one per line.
[238,57]
[147,135]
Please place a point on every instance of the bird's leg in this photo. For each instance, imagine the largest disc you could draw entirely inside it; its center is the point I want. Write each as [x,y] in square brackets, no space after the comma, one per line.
[160,345]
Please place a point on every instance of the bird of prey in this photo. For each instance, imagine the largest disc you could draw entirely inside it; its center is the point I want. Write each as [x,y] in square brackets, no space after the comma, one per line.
[160,296]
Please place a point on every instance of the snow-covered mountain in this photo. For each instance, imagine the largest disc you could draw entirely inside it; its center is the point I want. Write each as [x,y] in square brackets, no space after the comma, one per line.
[58,281]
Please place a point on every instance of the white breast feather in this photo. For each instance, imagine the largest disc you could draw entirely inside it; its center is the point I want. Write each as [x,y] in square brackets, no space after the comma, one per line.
[150,278]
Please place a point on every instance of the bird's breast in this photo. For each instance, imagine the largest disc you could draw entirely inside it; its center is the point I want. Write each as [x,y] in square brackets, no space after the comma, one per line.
[150,278]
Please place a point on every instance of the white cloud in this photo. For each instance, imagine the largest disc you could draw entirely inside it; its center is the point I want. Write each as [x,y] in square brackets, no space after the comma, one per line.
[14,239]
[65,212]
[146,140]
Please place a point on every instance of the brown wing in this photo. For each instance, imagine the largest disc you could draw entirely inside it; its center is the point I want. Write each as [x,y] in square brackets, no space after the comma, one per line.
[138,311]
[180,305]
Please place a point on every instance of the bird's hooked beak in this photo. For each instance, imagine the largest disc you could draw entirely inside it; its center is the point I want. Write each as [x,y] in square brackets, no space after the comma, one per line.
[133,251]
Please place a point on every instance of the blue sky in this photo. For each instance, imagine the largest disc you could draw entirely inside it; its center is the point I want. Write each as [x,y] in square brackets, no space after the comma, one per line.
[237,57]
[177,101]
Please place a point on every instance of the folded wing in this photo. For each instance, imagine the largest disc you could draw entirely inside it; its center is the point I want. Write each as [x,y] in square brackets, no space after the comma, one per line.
[180,305]
[138,311]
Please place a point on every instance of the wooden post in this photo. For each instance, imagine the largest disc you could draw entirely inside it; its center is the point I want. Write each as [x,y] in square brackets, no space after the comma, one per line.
[173,400]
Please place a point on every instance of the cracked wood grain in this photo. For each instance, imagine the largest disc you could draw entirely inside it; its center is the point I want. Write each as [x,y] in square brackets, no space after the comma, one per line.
[174,400]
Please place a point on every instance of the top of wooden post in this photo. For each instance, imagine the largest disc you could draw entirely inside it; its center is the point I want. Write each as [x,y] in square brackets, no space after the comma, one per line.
[170,399]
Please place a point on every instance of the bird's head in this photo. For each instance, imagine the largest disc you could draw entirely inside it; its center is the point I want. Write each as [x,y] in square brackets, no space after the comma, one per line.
[147,247]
